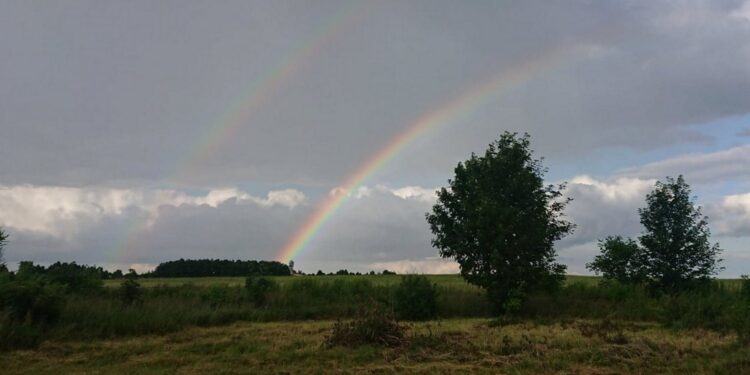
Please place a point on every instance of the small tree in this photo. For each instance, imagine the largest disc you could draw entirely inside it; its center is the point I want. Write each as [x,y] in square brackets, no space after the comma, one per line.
[3,242]
[676,248]
[130,289]
[621,259]
[499,221]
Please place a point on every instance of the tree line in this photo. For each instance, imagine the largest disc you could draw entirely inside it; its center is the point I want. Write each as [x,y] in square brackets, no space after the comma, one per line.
[219,267]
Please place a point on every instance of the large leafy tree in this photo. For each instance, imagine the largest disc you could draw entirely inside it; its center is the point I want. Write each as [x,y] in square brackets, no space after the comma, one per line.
[675,244]
[499,221]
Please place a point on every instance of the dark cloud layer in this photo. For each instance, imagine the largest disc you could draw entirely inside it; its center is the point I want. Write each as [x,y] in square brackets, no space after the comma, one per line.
[117,93]
[105,105]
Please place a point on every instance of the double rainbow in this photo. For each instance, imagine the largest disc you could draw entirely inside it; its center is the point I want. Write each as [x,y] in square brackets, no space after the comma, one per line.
[224,129]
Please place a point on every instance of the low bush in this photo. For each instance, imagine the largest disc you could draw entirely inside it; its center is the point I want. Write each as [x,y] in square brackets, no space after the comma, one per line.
[16,334]
[257,289]
[30,301]
[742,320]
[415,298]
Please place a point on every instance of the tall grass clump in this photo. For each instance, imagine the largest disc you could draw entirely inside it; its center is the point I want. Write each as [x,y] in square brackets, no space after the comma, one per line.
[258,289]
[742,319]
[375,326]
[27,310]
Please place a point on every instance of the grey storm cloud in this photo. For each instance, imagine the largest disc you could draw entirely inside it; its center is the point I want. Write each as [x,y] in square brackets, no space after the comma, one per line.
[704,168]
[114,93]
[128,133]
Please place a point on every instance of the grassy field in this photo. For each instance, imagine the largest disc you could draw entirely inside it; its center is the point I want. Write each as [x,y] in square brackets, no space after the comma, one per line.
[378,280]
[212,325]
[476,346]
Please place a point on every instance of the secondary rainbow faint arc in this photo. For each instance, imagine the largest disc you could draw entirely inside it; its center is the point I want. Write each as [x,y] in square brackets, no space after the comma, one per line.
[221,131]
[448,112]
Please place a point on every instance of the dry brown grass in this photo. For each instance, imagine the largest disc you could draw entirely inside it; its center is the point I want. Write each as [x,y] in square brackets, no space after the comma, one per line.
[447,347]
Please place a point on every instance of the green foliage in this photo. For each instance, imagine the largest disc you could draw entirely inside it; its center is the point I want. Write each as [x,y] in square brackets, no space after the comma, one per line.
[677,253]
[376,326]
[219,267]
[415,298]
[620,259]
[3,242]
[257,289]
[27,309]
[742,322]
[164,309]
[130,290]
[709,306]
[674,254]
[18,335]
[30,301]
[74,277]
[499,221]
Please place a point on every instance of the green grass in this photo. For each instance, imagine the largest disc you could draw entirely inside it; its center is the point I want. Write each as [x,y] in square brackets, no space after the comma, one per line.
[476,346]
[210,325]
[378,280]
[204,302]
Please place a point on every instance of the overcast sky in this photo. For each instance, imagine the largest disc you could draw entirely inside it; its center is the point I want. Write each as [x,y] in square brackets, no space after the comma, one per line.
[142,131]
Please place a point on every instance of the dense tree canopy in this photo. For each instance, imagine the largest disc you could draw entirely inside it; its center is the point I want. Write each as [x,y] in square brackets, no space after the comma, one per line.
[219,267]
[675,242]
[674,253]
[499,221]
[621,259]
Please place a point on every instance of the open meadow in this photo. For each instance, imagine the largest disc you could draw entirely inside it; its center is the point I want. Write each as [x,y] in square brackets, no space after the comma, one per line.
[477,346]
[374,187]
[213,325]
[440,280]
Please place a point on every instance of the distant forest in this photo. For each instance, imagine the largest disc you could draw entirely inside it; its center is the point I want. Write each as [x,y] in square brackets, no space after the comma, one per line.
[219,267]
[73,274]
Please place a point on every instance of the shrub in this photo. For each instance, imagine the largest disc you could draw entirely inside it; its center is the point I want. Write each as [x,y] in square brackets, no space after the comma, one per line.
[742,323]
[375,326]
[18,335]
[30,301]
[130,290]
[620,260]
[415,298]
[257,289]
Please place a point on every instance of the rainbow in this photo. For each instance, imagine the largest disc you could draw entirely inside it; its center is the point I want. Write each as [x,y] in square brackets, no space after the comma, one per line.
[227,125]
[449,112]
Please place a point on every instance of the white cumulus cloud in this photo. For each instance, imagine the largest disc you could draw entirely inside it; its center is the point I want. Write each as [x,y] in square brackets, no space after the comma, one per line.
[65,211]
